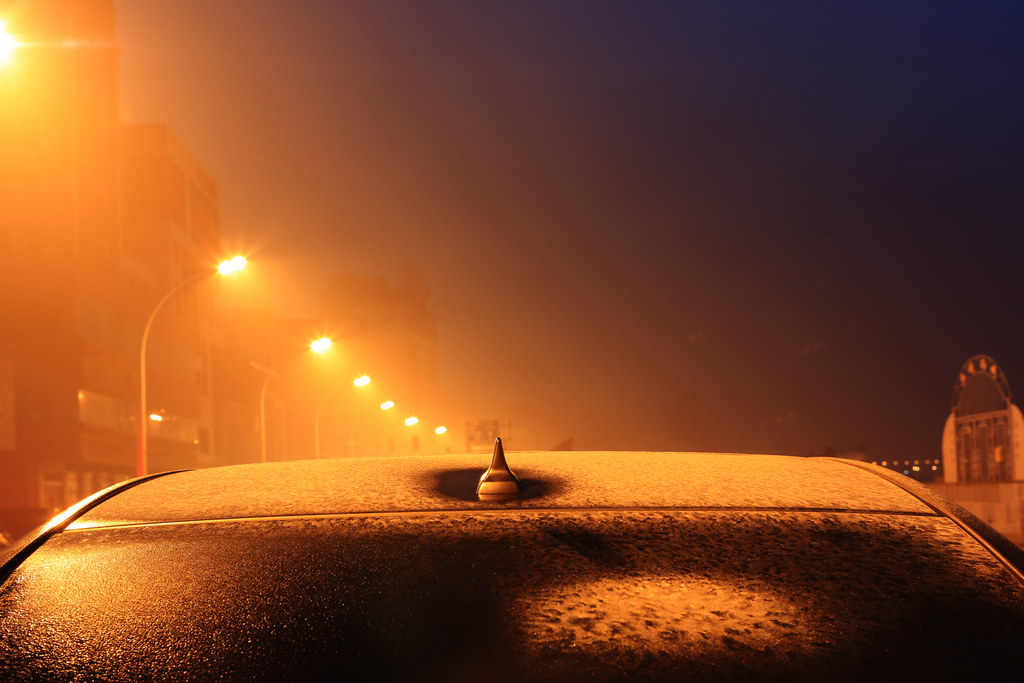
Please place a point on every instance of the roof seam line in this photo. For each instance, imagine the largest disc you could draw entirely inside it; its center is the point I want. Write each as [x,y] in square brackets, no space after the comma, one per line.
[498,511]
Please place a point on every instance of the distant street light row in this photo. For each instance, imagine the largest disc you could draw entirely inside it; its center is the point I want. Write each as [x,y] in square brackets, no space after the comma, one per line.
[9,44]
[318,346]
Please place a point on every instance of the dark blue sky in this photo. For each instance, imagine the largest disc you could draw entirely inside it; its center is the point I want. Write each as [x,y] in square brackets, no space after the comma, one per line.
[748,226]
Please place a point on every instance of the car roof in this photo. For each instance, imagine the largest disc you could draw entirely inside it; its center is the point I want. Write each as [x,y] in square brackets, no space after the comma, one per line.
[552,480]
[610,566]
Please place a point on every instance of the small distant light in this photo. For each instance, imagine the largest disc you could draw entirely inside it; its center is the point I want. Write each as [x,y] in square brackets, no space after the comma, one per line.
[387,405]
[410,421]
[320,345]
[916,468]
[935,467]
[906,471]
[156,417]
[232,265]
[361,381]
[883,463]
[917,462]
[195,441]
[441,430]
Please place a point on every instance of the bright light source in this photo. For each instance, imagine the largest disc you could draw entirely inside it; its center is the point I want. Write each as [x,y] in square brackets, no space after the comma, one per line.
[410,421]
[8,44]
[232,265]
[156,417]
[386,405]
[361,381]
[441,430]
[320,345]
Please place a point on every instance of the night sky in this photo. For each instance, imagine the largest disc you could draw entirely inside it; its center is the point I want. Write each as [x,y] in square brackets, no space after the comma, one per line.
[772,227]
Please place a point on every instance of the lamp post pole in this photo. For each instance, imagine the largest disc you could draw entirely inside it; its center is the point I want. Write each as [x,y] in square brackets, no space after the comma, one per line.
[142,444]
[271,372]
[319,346]
[142,450]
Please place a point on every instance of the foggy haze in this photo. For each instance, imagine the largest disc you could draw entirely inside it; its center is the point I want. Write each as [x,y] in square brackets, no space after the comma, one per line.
[741,226]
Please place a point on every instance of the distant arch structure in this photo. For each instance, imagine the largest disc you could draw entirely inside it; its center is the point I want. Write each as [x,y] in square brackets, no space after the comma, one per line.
[982,437]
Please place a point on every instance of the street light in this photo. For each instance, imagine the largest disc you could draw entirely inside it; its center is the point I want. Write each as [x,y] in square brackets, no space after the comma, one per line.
[320,346]
[232,265]
[8,44]
[142,450]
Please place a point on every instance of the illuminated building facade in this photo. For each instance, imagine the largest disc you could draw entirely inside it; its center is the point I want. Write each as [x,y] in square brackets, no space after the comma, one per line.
[982,438]
[97,222]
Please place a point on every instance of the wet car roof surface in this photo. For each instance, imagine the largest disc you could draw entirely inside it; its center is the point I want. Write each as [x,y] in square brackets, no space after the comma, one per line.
[551,480]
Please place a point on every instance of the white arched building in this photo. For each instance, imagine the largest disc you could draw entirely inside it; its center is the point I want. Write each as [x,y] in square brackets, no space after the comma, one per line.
[982,440]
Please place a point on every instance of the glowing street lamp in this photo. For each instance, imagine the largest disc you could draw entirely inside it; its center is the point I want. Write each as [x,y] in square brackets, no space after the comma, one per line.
[361,381]
[232,265]
[387,405]
[8,44]
[440,430]
[319,346]
[142,449]
[410,421]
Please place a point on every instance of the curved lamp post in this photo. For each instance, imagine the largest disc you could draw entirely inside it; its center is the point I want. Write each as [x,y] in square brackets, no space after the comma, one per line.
[142,450]
[358,382]
[321,345]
